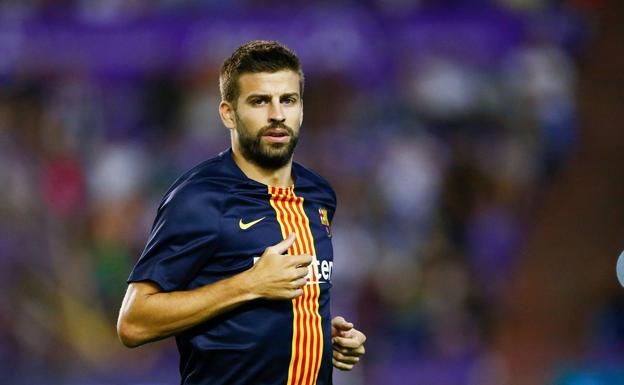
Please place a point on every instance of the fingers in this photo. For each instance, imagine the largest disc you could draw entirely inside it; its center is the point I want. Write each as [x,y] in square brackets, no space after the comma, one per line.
[356,340]
[341,365]
[344,358]
[296,293]
[281,247]
[299,283]
[301,272]
[300,260]
[355,352]
[341,324]
[338,356]
[346,342]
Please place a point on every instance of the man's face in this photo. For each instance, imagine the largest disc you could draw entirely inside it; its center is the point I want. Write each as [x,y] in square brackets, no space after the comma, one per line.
[268,116]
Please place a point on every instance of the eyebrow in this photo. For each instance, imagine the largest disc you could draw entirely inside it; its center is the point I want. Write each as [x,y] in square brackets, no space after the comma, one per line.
[267,96]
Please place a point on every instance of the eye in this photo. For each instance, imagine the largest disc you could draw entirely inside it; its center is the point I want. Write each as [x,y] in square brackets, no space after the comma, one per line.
[258,101]
[289,100]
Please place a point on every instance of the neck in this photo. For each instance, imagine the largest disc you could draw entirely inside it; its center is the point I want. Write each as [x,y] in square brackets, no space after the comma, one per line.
[281,177]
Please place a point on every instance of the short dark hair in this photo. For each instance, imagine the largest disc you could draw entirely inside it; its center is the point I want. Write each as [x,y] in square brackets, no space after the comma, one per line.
[253,57]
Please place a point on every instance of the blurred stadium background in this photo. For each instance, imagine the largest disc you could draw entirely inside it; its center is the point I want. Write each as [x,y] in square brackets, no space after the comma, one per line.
[476,148]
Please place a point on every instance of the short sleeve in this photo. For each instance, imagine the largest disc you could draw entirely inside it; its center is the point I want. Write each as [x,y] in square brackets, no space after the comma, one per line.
[334,204]
[184,234]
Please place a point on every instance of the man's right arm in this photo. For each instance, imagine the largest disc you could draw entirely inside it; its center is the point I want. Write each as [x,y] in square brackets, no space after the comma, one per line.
[148,314]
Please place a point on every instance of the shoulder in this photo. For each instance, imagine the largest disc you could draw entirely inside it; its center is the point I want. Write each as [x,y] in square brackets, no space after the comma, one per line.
[205,185]
[312,178]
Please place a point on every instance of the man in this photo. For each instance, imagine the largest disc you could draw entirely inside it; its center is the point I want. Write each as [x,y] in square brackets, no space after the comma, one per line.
[239,261]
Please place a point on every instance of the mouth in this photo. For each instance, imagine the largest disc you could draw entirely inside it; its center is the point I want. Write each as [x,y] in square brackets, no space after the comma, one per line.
[276,135]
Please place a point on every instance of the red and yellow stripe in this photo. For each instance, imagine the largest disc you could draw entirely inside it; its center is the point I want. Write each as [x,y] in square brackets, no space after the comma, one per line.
[307,339]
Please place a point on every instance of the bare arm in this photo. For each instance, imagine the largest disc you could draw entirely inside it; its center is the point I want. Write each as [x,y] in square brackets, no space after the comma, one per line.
[149,314]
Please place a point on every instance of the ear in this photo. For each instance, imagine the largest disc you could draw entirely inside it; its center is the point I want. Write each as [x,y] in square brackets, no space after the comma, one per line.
[227,114]
[301,116]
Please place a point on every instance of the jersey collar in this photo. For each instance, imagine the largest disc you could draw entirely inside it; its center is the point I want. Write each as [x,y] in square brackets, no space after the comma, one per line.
[236,171]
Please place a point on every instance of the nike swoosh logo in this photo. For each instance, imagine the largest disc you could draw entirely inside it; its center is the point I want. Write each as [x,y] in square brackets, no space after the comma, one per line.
[245,226]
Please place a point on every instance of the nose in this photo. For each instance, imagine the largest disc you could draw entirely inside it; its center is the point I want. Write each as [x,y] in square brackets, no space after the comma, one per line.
[276,114]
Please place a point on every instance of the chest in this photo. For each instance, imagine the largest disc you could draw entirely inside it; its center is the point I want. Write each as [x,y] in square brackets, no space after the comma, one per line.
[252,221]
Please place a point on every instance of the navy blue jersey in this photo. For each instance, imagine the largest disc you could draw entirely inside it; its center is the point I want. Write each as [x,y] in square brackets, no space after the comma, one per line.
[215,222]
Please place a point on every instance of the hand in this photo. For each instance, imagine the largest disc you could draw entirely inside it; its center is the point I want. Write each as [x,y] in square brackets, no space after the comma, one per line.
[279,276]
[348,344]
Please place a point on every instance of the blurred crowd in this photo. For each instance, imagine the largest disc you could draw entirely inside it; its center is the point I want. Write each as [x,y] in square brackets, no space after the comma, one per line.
[114,9]
[438,169]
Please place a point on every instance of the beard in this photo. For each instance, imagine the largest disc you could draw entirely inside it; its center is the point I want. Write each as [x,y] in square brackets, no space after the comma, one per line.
[269,156]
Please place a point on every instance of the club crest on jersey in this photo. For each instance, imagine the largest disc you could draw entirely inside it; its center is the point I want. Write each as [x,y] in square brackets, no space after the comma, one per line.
[325,220]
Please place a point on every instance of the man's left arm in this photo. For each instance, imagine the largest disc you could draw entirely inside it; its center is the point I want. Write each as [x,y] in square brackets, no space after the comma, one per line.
[347,343]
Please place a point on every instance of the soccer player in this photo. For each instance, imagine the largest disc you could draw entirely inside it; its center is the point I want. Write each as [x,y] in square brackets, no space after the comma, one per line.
[239,261]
